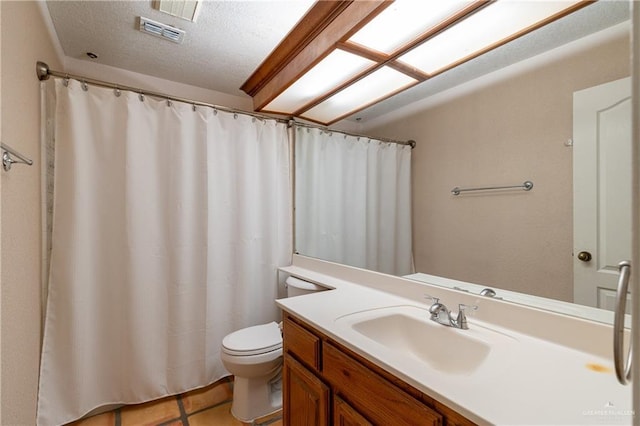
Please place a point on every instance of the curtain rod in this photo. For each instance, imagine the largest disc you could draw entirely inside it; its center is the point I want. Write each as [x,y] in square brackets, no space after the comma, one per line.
[43,71]
[410,142]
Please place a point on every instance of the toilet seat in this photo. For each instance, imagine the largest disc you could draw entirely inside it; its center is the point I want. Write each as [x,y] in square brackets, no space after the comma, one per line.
[255,340]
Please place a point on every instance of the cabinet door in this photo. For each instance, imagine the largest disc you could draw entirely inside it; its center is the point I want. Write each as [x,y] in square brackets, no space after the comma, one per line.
[453,418]
[305,397]
[345,415]
[373,396]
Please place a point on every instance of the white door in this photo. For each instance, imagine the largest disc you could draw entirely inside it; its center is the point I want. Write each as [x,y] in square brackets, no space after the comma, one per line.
[601,190]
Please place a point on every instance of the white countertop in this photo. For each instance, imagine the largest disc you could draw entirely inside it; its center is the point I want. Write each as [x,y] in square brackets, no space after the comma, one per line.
[539,383]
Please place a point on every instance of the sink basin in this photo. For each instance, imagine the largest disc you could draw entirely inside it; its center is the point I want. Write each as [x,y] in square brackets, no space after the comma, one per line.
[408,331]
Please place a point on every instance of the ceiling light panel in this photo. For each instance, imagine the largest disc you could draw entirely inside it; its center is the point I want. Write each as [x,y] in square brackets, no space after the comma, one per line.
[403,21]
[483,29]
[372,88]
[344,56]
[337,68]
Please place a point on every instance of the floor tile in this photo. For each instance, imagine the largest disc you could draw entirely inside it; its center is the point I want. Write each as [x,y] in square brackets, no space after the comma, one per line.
[207,397]
[104,419]
[174,423]
[218,416]
[269,419]
[150,413]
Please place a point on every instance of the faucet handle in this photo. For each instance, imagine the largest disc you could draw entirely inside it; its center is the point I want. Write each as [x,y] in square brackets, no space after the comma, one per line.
[429,297]
[461,319]
[462,307]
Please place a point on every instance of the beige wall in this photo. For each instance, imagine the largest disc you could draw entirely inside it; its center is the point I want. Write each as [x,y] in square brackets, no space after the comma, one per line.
[0,222]
[511,131]
[24,41]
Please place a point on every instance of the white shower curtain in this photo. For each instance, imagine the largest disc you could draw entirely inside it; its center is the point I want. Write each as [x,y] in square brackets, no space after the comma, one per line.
[168,227]
[353,200]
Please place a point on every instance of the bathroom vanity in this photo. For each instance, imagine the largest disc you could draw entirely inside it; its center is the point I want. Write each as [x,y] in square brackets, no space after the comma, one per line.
[326,383]
[367,352]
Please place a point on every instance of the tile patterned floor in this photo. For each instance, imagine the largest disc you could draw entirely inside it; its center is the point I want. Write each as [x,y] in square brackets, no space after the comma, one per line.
[209,406]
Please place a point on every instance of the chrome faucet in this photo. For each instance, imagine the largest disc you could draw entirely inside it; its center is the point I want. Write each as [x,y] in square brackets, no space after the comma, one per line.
[442,315]
[489,292]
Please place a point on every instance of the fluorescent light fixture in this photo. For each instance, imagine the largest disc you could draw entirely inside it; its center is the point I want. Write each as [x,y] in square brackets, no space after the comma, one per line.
[185,9]
[332,71]
[483,29]
[367,91]
[403,21]
[344,56]
[159,29]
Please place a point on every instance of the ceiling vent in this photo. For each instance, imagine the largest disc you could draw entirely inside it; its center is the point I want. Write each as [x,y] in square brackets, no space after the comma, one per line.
[158,29]
[185,9]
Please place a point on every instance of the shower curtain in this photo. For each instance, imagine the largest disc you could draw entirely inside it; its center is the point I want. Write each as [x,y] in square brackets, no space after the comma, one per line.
[353,200]
[169,222]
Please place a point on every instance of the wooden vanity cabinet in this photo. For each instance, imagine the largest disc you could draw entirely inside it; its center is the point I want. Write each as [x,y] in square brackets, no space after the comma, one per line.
[306,400]
[325,383]
[345,415]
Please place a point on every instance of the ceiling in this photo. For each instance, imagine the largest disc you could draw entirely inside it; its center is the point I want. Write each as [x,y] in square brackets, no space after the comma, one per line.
[220,50]
[231,38]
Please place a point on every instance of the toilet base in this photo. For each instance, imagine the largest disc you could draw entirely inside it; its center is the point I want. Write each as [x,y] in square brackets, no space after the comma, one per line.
[257,397]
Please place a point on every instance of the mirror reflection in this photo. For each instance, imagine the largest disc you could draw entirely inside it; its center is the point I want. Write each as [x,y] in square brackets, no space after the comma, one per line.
[558,118]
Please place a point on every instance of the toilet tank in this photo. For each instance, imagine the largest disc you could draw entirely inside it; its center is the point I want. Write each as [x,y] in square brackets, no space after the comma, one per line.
[298,287]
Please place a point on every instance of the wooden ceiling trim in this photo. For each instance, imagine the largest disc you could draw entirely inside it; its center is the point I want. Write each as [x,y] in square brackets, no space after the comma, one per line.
[365,52]
[390,60]
[281,69]
[312,23]
[382,59]
[328,26]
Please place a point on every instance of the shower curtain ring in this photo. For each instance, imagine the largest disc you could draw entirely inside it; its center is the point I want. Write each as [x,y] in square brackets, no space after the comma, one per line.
[141,96]
[84,86]
[116,91]
[66,80]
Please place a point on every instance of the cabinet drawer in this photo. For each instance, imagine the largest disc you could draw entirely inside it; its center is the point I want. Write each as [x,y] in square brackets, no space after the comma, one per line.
[374,397]
[301,343]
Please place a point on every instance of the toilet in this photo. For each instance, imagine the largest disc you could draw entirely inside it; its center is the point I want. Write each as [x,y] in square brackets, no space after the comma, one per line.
[254,356]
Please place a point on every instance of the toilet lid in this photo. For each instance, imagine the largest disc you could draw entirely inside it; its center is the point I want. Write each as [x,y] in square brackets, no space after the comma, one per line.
[254,340]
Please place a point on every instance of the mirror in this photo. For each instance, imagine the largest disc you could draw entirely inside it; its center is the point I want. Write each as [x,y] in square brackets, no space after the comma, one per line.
[502,119]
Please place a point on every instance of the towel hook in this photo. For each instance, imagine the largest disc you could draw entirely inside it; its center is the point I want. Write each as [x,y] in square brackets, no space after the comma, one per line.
[8,160]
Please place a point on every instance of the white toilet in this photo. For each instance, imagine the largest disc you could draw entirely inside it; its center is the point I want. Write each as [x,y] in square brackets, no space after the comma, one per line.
[254,356]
